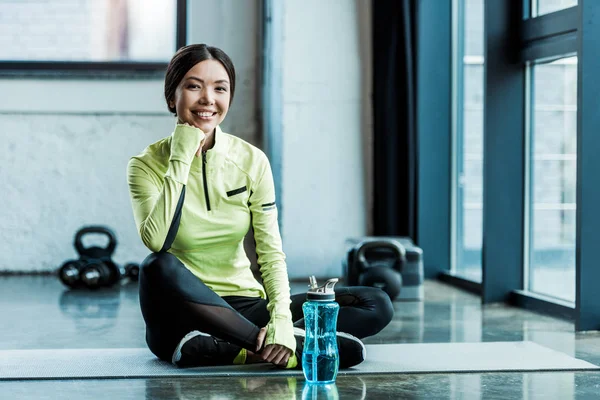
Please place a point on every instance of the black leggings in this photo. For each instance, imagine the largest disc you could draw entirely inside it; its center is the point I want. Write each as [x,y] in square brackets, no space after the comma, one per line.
[175,302]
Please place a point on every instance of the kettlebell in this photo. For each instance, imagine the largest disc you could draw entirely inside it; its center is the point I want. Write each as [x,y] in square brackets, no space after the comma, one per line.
[380,272]
[95,267]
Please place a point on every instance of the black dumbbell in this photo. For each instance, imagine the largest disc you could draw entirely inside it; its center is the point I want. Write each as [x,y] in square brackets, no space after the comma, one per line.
[131,271]
[70,273]
[100,273]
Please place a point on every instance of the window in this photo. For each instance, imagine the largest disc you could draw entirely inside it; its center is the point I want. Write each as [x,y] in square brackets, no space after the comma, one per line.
[88,31]
[540,7]
[468,147]
[552,179]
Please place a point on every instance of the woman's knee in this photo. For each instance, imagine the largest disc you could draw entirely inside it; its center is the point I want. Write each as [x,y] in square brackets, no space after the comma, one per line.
[157,266]
[387,307]
[382,306]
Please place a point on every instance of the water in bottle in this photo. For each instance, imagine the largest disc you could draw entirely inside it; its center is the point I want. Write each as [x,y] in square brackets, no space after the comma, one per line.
[320,357]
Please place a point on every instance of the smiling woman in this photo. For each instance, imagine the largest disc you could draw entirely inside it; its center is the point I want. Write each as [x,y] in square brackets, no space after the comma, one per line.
[195,195]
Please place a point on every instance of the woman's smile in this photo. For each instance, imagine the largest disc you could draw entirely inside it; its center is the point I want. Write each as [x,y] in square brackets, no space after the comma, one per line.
[204,114]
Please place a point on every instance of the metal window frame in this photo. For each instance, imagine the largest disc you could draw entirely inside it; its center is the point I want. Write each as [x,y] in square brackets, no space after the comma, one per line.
[552,36]
[542,304]
[549,36]
[587,275]
[514,42]
[530,189]
[545,38]
[78,68]
[461,282]
[458,21]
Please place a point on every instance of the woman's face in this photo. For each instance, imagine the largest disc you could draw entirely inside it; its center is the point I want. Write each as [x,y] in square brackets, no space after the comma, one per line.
[202,97]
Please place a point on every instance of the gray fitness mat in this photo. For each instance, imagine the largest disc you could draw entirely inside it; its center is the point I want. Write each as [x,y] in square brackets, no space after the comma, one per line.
[381,359]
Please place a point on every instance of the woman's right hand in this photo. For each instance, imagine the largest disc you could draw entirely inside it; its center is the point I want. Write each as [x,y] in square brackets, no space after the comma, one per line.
[199,151]
[274,353]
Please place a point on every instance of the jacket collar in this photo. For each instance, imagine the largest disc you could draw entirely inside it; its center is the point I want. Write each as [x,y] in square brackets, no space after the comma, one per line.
[221,147]
[221,142]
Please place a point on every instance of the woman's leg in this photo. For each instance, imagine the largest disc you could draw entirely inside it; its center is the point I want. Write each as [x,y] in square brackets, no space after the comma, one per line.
[174,303]
[254,309]
[364,311]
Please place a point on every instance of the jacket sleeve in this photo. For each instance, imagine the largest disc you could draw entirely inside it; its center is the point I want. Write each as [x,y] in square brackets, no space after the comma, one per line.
[271,259]
[154,198]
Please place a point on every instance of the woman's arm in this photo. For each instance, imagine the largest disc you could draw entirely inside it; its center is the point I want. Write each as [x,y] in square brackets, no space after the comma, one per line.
[271,260]
[154,198]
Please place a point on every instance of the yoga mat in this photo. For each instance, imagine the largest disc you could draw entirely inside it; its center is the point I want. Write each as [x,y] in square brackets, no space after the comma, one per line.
[381,359]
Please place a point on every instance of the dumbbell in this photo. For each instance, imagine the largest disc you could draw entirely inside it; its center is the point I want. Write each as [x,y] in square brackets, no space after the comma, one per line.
[131,271]
[69,273]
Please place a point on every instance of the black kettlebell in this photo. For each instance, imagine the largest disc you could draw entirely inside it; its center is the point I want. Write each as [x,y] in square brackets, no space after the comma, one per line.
[95,267]
[385,272]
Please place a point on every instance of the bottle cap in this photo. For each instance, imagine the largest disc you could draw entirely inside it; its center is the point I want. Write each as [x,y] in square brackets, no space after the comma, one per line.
[321,293]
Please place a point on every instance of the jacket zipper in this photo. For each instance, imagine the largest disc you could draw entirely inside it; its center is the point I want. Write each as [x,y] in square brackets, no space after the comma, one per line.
[205,182]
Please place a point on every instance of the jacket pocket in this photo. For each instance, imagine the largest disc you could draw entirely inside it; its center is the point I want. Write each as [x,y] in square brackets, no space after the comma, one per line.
[237,191]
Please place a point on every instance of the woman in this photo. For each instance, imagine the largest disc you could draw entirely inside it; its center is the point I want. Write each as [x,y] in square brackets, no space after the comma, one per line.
[195,194]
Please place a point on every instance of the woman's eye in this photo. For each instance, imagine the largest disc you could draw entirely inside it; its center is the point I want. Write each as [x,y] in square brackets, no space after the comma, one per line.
[193,86]
[222,89]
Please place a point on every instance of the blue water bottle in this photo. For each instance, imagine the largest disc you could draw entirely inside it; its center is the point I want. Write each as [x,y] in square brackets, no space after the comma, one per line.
[320,357]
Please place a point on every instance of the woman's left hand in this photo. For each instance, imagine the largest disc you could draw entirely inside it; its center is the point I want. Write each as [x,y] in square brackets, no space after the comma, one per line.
[274,353]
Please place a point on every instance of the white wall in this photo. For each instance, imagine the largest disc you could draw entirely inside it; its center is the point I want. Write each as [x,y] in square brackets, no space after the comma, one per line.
[66,143]
[323,128]
[61,171]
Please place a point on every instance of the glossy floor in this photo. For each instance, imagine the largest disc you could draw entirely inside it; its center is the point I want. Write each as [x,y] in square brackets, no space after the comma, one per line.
[38,313]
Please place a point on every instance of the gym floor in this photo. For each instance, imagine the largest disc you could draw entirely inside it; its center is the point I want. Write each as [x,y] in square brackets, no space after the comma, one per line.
[37,313]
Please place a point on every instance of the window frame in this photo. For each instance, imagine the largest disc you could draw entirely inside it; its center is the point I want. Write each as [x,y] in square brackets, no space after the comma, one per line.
[458,24]
[544,38]
[530,189]
[512,41]
[78,68]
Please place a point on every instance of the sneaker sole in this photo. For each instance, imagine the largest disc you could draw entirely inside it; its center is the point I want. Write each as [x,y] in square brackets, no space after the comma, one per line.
[347,336]
[177,353]
[363,349]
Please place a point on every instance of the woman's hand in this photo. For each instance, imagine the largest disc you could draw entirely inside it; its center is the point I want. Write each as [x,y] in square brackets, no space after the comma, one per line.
[273,353]
[199,151]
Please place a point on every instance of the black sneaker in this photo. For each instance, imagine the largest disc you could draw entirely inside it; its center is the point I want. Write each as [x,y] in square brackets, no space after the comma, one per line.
[351,350]
[201,349]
